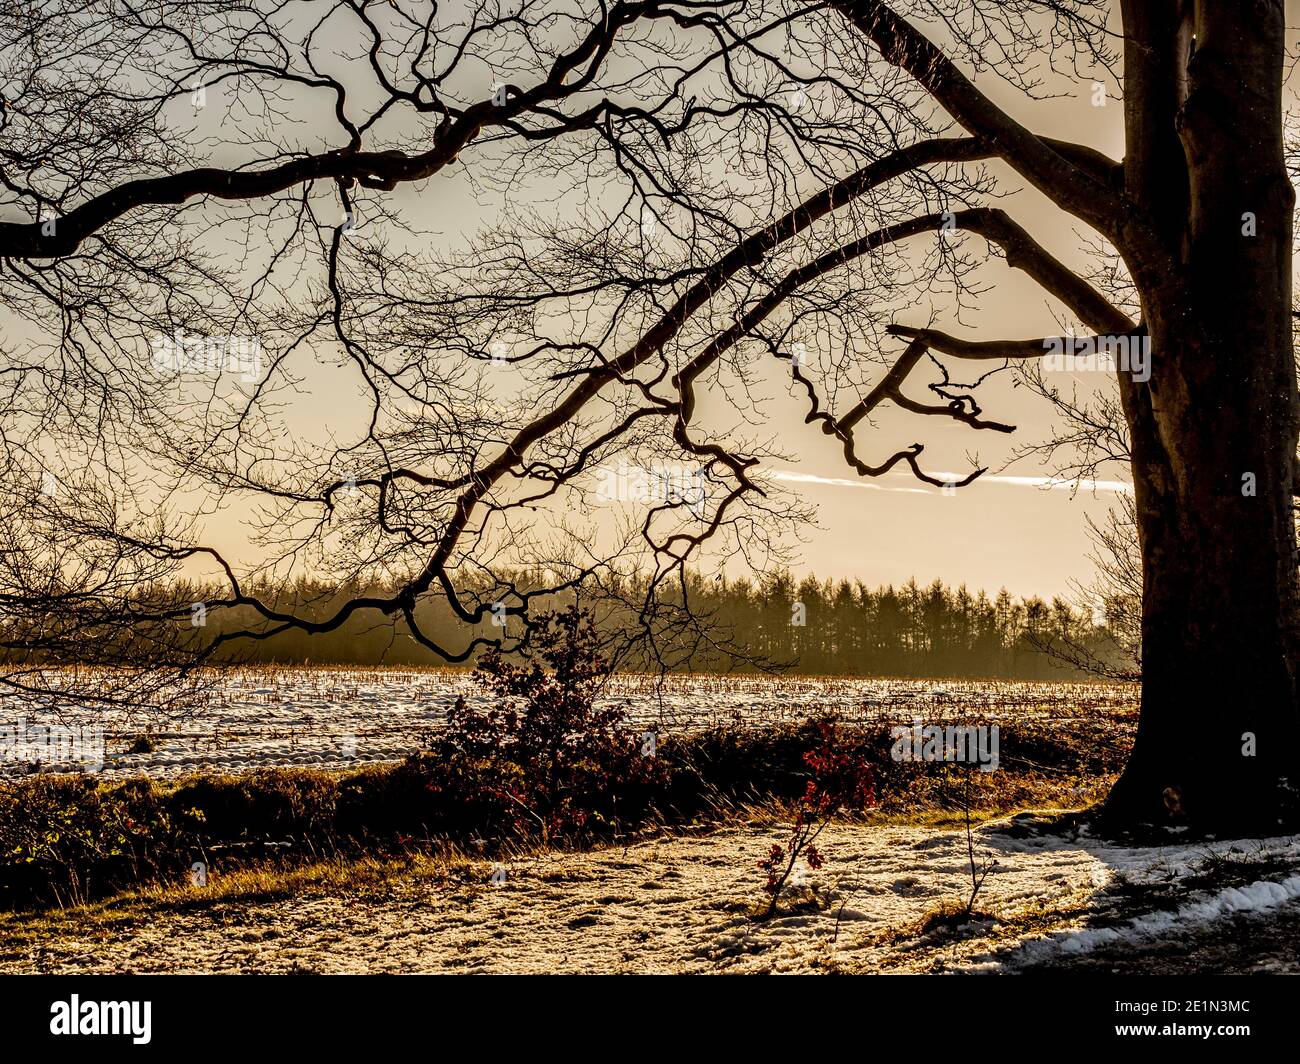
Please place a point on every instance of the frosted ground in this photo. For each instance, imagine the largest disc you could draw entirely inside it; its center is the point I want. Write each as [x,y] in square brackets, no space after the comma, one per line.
[336,717]
[682,903]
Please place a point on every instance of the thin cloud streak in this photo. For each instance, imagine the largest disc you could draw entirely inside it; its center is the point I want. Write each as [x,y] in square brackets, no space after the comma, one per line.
[790,476]
[1054,483]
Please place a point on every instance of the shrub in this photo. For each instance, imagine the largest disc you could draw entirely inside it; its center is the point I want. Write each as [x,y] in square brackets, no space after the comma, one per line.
[563,766]
[143,744]
[837,779]
[68,839]
[429,795]
[274,803]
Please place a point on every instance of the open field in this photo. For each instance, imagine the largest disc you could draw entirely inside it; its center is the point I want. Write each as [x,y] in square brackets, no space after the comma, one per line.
[342,717]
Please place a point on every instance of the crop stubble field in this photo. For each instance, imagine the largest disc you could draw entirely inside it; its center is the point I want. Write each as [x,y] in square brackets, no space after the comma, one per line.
[324,717]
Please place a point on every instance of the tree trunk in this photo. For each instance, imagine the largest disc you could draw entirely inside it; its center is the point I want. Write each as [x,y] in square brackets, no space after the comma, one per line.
[1214,437]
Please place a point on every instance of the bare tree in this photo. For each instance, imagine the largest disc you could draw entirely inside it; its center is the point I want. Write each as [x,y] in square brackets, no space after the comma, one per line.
[696,194]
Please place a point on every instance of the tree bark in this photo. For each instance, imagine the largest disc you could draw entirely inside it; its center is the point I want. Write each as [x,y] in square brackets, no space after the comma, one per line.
[1214,436]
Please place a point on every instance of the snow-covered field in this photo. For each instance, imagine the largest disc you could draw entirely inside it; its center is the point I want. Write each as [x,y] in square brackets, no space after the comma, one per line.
[683,904]
[333,717]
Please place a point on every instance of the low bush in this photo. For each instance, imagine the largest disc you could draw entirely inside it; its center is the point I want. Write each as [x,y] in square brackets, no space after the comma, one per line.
[560,767]
[839,780]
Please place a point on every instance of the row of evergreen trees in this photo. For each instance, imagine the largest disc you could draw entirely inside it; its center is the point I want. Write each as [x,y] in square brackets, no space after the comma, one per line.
[932,631]
[812,626]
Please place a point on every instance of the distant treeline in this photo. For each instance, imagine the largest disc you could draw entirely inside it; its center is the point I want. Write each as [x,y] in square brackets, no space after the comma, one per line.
[808,625]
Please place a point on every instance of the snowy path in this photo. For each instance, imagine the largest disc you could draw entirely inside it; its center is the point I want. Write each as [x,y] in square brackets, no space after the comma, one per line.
[680,904]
